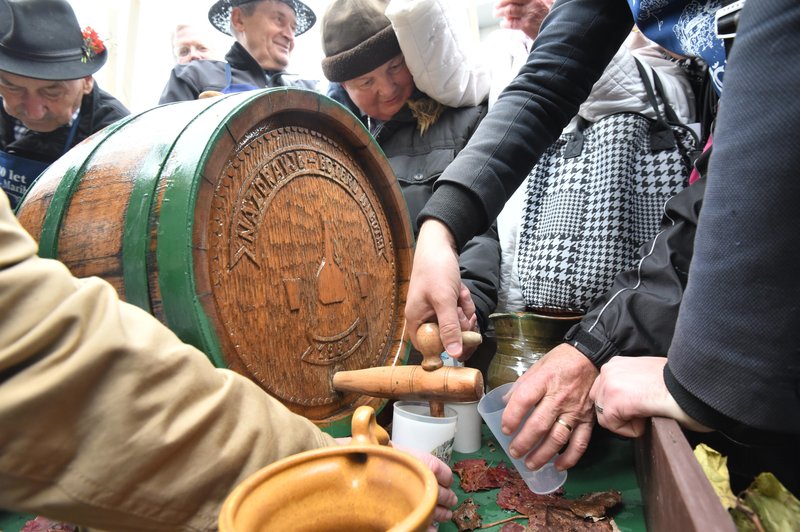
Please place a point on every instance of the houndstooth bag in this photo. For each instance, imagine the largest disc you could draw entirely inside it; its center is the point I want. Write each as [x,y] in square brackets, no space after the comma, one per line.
[594,197]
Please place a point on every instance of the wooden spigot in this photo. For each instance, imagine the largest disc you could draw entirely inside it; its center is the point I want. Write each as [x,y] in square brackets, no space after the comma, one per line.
[429,382]
[449,383]
[430,345]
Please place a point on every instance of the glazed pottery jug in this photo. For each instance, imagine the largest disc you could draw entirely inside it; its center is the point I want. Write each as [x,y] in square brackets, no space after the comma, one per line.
[522,339]
[365,485]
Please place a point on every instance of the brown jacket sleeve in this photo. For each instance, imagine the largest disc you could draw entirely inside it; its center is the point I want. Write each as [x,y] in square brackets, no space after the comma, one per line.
[108,419]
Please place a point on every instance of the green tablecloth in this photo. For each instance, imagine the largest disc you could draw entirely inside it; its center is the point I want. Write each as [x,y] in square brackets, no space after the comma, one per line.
[13,522]
[608,464]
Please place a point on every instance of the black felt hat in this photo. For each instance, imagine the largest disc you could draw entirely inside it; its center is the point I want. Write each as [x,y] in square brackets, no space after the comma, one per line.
[357,38]
[42,39]
[220,14]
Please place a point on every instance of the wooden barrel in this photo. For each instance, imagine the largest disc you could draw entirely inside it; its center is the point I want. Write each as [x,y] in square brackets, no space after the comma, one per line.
[266,228]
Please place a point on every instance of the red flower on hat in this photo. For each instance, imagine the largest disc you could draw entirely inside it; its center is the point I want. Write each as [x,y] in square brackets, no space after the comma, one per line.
[92,44]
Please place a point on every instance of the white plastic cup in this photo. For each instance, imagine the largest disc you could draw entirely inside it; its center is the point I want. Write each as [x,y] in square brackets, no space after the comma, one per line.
[547,479]
[468,427]
[414,427]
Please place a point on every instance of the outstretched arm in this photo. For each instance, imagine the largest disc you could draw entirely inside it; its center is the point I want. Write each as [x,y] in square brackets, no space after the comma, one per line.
[436,292]
[526,119]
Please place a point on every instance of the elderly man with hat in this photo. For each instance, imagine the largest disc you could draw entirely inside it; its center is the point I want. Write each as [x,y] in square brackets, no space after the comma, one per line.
[264,31]
[50,99]
[420,136]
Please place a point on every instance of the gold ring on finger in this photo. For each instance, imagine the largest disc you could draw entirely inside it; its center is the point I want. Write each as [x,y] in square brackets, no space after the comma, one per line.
[562,422]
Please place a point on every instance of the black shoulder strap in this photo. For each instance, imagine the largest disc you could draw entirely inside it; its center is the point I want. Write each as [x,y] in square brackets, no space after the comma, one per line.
[574,146]
[661,135]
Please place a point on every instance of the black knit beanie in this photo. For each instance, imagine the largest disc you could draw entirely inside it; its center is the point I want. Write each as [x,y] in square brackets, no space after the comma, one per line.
[356,38]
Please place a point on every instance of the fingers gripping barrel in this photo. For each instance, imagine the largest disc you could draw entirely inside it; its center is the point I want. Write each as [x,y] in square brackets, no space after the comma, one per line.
[266,228]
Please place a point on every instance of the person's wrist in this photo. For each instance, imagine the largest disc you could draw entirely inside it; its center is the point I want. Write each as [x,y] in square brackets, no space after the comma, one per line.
[433,228]
[596,350]
[674,410]
[585,363]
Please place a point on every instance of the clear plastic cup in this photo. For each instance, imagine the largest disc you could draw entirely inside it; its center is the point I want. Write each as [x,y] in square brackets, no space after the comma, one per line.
[544,480]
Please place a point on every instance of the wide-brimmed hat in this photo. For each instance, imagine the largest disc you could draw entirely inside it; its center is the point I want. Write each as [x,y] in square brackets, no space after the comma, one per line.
[42,39]
[220,14]
[357,38]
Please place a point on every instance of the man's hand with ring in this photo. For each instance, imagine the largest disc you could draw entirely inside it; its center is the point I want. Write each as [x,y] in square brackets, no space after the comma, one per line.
[631,389]
[564,423]
[558,387]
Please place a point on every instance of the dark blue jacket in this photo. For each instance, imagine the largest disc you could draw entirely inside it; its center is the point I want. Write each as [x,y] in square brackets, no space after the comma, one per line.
[186,82]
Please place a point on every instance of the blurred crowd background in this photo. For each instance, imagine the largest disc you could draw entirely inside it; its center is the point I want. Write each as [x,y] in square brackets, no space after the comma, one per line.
[138,34]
